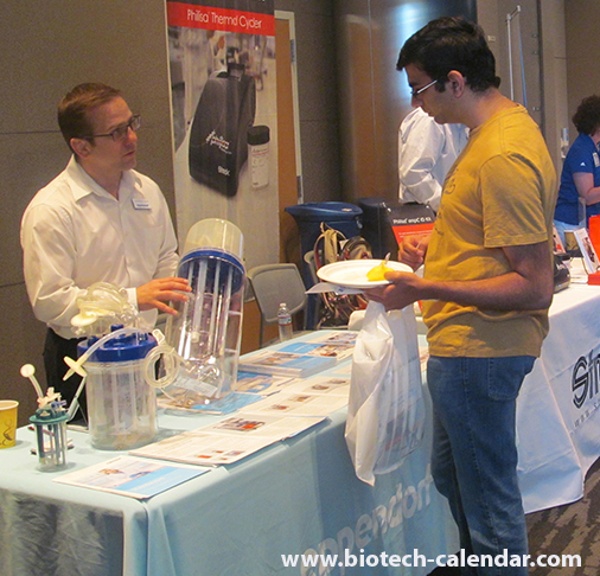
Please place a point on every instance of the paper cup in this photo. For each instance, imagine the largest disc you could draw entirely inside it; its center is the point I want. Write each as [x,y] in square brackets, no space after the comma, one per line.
[8,423]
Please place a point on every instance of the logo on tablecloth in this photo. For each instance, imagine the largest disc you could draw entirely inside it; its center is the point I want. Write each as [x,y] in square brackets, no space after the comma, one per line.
[585,379]
[406,502]
[585,383]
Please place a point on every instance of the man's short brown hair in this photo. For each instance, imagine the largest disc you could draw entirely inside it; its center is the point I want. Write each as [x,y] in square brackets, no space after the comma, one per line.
[74,107]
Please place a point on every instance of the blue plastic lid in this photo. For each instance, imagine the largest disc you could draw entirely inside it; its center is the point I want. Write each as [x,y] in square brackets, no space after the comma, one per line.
[206,253]
[122,348]
[214,259]
[319,211]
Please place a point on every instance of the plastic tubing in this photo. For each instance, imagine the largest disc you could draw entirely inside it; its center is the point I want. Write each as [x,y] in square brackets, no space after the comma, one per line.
[171,362]
[77,365]
[171,359]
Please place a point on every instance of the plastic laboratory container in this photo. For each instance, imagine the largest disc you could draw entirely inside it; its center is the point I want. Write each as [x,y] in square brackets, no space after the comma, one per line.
[51,437]
[206,332]
[121,404]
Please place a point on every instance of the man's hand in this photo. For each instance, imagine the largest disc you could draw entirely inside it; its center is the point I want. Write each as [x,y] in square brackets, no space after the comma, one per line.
[405,288]
[412,250]
[157,293]
[528,286]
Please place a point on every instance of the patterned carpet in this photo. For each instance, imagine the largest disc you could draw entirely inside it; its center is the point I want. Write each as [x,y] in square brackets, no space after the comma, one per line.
[570,529]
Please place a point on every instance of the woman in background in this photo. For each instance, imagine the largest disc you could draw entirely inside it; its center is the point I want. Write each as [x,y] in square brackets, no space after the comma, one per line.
[580,178]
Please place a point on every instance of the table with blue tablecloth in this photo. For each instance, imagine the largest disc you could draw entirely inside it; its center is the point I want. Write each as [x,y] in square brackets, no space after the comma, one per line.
[301,496]
[297,497]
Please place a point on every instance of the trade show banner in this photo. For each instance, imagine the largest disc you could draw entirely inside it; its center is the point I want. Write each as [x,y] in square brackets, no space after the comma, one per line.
[223,90]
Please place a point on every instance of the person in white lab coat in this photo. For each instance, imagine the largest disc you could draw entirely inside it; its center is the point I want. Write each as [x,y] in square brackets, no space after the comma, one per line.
[426,152]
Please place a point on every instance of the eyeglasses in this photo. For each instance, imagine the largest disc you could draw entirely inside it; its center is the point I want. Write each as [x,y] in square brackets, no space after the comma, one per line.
[414,93]
[121,132]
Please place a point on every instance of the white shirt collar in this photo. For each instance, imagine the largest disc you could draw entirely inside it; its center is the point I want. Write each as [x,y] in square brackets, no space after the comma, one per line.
[84,184]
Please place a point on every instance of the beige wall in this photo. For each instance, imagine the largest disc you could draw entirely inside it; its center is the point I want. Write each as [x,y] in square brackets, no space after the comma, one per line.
[583,46]
[543,33]
[317,97]
[555,62]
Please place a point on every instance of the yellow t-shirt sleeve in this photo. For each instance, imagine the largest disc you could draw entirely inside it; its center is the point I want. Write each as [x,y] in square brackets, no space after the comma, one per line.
[513,215]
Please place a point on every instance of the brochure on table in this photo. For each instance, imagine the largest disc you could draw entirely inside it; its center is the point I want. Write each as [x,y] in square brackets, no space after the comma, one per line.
[286,363]
[319,396]
[227,441]
[285,407]
[227,405]
[303,357]
[130,476]
[250,387]
[260,384]
[331,384]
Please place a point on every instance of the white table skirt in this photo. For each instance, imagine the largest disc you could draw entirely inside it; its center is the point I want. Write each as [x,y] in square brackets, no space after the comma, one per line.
[558,423]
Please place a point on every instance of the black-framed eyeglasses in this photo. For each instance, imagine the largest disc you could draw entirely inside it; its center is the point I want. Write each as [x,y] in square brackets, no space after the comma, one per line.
[121,131]
[414,93]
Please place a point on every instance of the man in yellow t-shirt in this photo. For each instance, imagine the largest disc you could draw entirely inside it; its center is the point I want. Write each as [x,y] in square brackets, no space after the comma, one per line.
[487,283]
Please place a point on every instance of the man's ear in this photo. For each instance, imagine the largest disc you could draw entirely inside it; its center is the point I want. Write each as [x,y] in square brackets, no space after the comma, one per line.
[81,147]
[457,82]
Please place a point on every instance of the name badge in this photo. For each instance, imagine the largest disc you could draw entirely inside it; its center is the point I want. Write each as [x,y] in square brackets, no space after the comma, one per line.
[140,204]
[596,159]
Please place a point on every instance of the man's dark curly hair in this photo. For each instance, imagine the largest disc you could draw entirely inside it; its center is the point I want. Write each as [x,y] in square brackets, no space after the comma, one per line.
[587,116]
[451,43]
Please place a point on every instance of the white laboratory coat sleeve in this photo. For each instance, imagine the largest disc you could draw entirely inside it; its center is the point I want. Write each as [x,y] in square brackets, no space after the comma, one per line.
[421,143]
[426,152]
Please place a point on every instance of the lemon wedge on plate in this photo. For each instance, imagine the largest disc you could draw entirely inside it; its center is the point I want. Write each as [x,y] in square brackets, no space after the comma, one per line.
[377,273]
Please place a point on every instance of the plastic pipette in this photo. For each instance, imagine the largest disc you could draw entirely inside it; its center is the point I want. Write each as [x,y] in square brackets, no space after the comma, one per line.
[75,402]
[28,371]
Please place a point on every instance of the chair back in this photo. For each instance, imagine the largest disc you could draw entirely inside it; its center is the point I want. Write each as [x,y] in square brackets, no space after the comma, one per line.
[273,284]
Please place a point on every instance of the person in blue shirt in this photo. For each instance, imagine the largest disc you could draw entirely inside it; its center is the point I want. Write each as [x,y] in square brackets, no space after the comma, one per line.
[580,177]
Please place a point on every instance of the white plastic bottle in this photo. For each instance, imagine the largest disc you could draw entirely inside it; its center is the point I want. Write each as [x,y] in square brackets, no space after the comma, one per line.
[258,154]
[284,321]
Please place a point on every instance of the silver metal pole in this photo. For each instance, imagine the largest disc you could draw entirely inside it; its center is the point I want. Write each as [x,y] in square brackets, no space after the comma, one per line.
[509,18]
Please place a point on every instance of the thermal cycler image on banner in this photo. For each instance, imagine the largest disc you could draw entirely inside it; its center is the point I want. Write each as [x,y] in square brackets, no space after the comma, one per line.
[218,139]
[224,101]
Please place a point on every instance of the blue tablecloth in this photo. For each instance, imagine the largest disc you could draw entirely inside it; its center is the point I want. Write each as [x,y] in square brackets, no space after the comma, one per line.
[299,496]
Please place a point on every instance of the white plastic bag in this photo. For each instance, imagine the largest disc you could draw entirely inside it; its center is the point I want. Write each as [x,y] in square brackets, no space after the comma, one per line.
[386,411]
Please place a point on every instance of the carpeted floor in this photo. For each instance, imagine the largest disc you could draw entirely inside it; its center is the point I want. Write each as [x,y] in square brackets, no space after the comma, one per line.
[570,529]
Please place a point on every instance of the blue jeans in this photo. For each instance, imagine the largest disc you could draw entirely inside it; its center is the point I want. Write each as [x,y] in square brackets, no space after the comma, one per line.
[474,456]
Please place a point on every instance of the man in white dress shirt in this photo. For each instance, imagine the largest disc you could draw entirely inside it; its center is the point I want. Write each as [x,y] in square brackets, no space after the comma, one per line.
[426,152]
[98,220]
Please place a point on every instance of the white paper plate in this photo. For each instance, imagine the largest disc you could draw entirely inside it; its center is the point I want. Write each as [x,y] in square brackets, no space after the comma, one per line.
[353,273]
